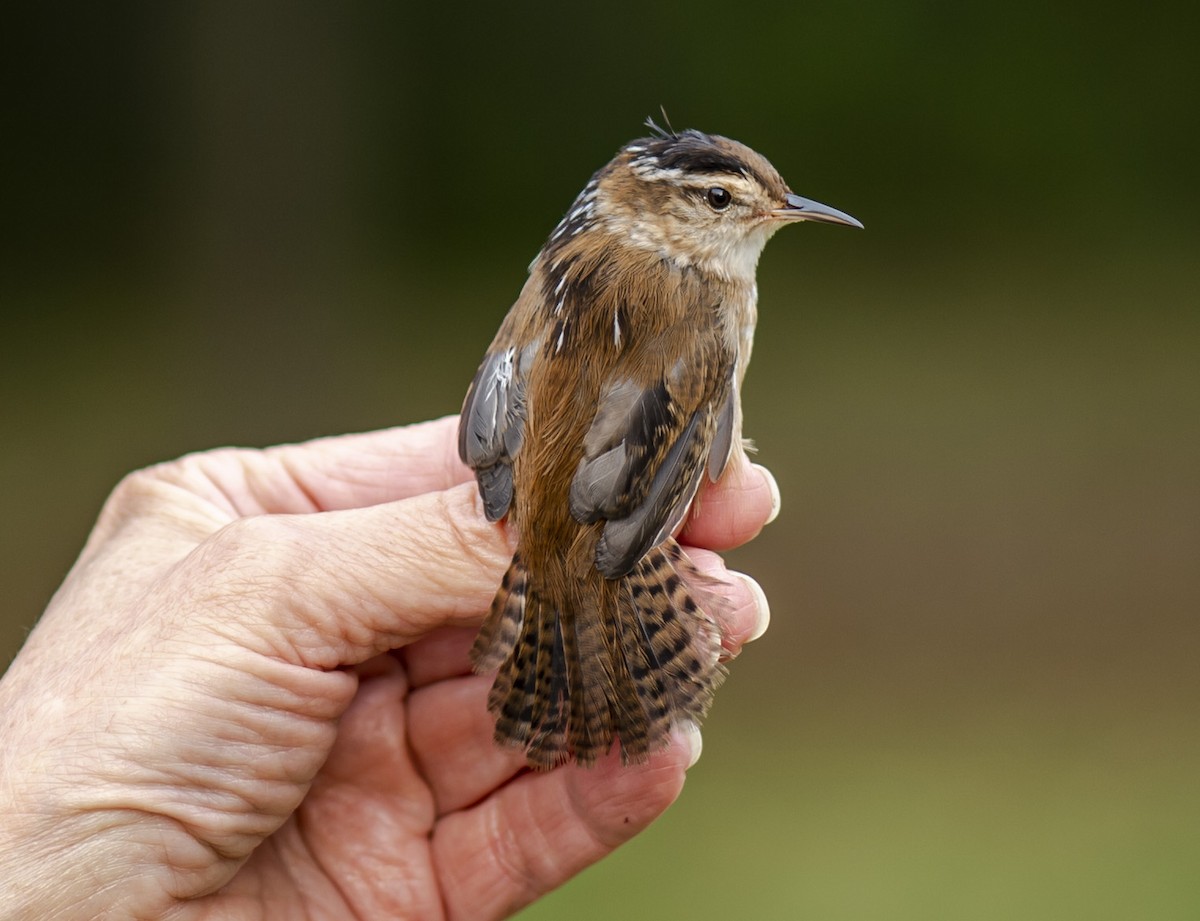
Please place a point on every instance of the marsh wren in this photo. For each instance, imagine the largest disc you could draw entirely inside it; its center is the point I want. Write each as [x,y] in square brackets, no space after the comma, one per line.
[608,395]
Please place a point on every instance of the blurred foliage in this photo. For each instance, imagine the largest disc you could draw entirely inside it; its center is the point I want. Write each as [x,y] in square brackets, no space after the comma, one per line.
[246,223]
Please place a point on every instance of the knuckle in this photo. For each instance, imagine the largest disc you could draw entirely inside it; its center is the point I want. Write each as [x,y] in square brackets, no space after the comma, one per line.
[250,558]
[266,545]
[138,496]
[134,492]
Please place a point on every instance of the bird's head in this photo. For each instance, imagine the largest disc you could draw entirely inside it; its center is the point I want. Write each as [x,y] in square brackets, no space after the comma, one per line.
[698,200]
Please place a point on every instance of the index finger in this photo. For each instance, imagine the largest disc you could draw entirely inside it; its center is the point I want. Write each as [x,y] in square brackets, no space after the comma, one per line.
[355,471]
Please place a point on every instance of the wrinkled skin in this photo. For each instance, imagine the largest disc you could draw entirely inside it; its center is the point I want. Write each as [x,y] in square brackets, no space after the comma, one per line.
[251,698]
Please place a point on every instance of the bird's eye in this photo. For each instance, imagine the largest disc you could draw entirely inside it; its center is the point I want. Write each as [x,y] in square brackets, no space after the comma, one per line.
[718,198]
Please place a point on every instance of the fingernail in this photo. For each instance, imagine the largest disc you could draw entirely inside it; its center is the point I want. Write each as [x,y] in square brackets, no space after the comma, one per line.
[690,735]
[762,608]
[776,499]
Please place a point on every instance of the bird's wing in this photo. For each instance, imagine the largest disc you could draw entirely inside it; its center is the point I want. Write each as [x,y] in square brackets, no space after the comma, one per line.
[645,455]
[492,426]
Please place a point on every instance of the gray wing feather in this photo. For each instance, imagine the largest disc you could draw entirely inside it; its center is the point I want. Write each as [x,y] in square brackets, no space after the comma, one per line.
[644,458]
[722,447]
[598,484]
[492,427]
[630,427]
[626,540]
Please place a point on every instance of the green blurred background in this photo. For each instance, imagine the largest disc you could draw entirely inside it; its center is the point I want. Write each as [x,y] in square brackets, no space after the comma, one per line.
[979,698]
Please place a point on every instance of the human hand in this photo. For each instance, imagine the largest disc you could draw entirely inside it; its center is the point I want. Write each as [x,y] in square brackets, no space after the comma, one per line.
[251,698]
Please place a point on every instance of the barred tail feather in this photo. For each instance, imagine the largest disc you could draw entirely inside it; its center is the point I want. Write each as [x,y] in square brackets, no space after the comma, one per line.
[498,635]
[672,608]
[618,660]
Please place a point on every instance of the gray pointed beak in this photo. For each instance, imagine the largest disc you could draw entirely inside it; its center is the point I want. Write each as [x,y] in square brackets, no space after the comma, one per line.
[805,209]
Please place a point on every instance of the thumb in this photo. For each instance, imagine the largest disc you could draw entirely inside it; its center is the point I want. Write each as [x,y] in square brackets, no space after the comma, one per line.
[335,588]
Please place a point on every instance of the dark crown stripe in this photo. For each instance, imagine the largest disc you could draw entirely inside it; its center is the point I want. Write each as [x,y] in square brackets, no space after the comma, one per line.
[704,160]
[694,152]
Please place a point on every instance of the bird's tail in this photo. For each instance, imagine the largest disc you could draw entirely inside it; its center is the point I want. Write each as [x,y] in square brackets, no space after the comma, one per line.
[619,659]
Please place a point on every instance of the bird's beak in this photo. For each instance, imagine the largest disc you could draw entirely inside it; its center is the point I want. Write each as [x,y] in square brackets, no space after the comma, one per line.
[805,209]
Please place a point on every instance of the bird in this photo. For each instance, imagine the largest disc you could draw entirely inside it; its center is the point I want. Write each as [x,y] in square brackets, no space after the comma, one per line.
[610,393]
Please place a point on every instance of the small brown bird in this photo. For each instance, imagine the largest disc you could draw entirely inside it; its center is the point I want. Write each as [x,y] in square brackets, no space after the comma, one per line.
[609,393]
